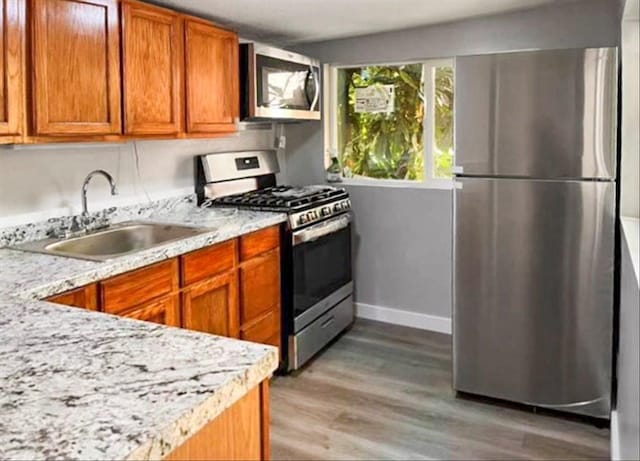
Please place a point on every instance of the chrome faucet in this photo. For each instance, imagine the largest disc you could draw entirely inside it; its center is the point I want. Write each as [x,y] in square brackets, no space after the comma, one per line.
[85,186]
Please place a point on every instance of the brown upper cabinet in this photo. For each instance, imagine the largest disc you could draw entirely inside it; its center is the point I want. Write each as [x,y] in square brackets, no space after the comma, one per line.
[75,60]
[11,99]
[64,75]
[212,78]
[152,63]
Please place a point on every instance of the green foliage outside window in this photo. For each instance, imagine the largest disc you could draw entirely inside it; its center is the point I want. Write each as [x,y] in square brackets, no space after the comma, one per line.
[391,145]
[443,119]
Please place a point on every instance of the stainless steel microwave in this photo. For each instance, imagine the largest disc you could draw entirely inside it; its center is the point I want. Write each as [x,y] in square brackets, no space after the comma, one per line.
[278,84]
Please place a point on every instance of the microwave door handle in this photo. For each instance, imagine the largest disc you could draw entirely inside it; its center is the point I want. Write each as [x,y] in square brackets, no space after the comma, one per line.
[316,96]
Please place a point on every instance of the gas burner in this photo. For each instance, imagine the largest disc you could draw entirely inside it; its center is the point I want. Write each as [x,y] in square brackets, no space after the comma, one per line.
[296,192]
[305,204]
[283,197]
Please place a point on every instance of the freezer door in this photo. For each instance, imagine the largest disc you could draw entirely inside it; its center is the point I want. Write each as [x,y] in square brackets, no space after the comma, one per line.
[533,292]
[537,114]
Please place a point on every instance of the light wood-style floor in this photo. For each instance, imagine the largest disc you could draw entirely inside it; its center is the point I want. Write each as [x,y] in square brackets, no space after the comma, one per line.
[384,392]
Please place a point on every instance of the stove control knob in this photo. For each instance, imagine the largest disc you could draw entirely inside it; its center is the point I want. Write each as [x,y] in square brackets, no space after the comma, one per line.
[311,216]
[302,219]
[326,211]
[337,207]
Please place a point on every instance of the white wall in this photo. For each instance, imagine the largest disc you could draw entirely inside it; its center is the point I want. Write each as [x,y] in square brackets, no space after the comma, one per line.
[38,182]
[630,198]
[403,236]
[625,435]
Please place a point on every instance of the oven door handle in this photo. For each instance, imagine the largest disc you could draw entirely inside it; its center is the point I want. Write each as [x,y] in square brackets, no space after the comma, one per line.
[320,230]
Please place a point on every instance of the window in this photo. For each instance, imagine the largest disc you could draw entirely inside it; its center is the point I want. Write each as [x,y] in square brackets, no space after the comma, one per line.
[391,122]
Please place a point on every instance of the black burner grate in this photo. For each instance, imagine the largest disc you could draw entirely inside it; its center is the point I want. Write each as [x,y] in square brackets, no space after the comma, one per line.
[285,198]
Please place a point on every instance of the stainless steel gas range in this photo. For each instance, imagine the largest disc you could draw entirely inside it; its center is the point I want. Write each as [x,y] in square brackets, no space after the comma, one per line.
[317,285]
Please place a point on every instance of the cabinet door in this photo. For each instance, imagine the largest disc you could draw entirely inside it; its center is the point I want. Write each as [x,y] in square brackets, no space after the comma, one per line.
[76,67]
[10,69]
[259,286]
[212,79]
[152,66]
[164,311]
[211,306]
[85,297]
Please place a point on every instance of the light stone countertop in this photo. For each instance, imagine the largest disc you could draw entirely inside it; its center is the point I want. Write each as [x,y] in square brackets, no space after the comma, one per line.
[38,276]
[76,384]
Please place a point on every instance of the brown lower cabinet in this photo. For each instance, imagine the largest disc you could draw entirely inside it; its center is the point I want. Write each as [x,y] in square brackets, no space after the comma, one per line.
[229,289]
[211,306]
[241,432]
[85,297]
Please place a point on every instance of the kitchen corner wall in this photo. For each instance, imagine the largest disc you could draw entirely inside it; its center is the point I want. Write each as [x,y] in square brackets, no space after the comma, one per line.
[403,236]
[38,182]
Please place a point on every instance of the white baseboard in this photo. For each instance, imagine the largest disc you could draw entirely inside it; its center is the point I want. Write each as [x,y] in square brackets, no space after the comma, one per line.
[404,318]
[615,436]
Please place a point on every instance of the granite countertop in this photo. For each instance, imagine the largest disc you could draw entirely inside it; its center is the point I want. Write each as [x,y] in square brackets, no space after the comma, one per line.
[76,384]
[38,276]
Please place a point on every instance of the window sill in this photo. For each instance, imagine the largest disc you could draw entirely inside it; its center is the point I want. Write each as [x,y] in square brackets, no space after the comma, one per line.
[437,184]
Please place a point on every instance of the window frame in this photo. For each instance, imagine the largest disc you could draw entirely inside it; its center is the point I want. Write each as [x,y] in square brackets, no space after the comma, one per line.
[330,122]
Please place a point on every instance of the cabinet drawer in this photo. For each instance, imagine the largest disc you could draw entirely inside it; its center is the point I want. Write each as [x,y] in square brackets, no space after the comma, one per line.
[209,261]
[259,286]
[164,311]
[259,242]
[133,288]
[265,331]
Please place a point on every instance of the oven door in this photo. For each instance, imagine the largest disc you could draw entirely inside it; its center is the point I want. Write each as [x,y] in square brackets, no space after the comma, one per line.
[321,268]
[287,85]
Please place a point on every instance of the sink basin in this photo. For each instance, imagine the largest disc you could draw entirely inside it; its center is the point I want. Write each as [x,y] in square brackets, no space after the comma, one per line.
[116,240]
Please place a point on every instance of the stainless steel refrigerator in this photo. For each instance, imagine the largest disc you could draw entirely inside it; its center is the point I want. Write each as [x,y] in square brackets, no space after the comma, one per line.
[534,227]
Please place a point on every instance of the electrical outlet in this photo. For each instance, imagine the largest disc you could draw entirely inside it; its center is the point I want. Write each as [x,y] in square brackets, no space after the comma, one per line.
[282,142]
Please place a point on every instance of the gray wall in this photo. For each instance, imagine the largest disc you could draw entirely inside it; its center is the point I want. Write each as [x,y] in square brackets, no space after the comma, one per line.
[403,236]
[628,404]
[38,182]
[401,263]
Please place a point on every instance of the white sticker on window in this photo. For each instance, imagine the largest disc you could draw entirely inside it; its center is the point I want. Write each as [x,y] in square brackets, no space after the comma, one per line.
[376,99]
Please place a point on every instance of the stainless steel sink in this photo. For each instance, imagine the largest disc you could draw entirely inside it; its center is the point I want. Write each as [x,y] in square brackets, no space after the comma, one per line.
[114,241]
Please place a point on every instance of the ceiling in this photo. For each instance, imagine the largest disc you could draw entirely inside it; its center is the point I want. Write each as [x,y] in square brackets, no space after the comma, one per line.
[295,21]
